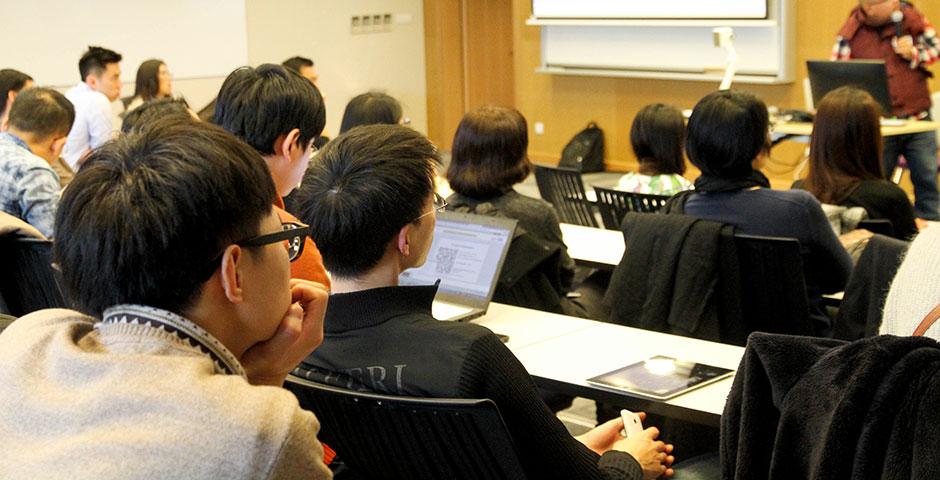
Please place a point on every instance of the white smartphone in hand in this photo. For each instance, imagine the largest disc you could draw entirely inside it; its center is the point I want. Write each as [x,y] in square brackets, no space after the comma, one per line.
[631,423]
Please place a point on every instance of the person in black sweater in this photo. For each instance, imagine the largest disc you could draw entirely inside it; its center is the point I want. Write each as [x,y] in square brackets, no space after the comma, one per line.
[728,140]
[372,208]
[845,161]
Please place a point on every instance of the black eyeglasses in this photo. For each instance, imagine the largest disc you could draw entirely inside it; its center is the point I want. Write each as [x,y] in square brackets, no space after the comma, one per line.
[439,205]
[293,236]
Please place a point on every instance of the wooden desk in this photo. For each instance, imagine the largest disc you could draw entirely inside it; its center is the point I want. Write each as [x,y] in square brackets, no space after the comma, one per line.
[593,247]
[562,352]
[806,129]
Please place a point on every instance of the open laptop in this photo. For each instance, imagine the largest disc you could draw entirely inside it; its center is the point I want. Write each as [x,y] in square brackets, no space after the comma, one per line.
[869,75]
[466,256]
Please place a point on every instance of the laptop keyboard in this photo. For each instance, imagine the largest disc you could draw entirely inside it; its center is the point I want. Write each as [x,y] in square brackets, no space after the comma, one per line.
[447,311]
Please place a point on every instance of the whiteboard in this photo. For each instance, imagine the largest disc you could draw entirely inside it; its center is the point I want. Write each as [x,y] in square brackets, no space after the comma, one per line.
[655,9]
[196,38]
[675,48]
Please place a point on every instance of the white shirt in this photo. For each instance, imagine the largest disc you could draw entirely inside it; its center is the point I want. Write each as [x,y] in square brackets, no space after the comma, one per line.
[93,123]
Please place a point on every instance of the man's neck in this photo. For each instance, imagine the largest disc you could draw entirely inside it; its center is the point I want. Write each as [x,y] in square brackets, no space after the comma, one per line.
[385,274]
[30,142]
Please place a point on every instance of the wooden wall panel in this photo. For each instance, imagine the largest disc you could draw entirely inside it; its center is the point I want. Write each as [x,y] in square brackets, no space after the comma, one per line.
[488,51]
[443,27]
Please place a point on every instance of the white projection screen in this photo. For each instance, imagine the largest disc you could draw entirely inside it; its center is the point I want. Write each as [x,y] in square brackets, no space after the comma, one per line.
[647,9]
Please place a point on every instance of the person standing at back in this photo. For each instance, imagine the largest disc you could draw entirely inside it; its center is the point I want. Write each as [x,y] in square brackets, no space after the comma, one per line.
[100,72]
[280,114]
[899,34]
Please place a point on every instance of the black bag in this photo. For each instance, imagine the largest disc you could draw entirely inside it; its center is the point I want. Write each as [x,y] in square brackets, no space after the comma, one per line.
[585,152]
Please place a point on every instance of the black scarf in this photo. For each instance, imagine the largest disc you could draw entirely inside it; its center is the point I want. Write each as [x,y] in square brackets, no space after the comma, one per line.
[714,184]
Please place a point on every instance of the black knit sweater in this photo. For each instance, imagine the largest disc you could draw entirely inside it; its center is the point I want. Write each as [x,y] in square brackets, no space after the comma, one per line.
[386,340]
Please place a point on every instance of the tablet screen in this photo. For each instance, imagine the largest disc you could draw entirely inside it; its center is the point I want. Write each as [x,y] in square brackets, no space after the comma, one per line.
[660,377]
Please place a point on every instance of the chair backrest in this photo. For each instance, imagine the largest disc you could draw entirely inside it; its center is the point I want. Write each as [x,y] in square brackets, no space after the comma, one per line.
[880,226]
[29,282]
[564,189]
[382,436]
[614,204]
[773,287]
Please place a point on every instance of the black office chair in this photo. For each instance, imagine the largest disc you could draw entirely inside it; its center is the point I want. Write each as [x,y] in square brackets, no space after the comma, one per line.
[389,437]
[29,282]
[614,204]
[564,189]
[773,286]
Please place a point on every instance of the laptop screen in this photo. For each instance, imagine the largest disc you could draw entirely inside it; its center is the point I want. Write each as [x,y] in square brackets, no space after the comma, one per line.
[466,255]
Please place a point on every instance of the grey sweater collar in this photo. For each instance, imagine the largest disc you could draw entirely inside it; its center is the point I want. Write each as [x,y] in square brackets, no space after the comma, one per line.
[187,332]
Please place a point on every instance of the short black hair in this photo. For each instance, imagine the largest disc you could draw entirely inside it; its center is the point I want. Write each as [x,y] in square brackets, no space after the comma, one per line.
[148,113]
[657,135]
[148,212]
[147,84]
[372,108]
[727,130]
[295,63]
[43,112]
[11,81]
[361,189]
[96,60]
[260,104]
[489,152]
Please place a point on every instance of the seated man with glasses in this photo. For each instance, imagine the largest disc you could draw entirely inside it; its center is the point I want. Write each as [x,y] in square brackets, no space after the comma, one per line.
[280,114]
[369,198]
[188,322]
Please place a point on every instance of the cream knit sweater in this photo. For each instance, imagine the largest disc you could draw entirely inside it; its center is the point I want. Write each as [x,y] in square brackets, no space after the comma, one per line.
[135,401]
[916,287]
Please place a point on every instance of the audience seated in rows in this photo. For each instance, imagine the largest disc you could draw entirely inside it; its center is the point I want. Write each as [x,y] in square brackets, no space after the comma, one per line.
[656,136]
[914,290]
[845,166]
[371,108]
[100,85]
[279,113]
[728,140]
[188,323]
[153,82]
[148,113]
[38,125]
[371,206]
[12,82]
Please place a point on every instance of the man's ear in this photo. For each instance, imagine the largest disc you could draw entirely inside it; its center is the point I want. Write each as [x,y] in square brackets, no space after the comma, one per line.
[56,145]
[402,241]
[231,282]
[287,144]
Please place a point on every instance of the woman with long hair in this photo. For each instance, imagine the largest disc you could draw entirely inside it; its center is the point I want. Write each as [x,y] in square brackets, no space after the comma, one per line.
[845,160]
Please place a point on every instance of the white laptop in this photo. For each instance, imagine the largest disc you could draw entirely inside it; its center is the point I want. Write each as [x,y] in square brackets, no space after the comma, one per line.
[466,255]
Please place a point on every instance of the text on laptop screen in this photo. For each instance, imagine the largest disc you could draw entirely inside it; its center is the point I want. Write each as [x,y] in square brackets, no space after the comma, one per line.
[464,256]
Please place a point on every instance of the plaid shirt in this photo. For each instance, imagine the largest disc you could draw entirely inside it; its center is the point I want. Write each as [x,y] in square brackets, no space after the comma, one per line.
[29,188]
[926,48]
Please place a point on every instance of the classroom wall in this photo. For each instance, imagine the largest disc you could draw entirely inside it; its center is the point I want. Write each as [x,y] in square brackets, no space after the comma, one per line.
[565,104]
[349,64]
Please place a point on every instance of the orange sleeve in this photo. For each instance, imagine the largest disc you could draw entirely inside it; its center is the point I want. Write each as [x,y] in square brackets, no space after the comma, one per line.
[310,264]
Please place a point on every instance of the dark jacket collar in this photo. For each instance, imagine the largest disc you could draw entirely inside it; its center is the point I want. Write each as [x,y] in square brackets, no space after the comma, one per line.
[367,308]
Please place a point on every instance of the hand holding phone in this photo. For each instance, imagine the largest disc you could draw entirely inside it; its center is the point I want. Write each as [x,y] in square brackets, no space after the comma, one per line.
[632,425]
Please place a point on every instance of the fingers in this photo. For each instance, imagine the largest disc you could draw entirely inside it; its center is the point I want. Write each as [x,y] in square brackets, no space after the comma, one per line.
[652,433]
[642,415]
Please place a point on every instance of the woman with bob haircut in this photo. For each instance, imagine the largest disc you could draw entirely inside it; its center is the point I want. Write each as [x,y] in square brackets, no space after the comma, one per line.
[656,137]
[728,140]
[845,160]
[153,82]
[488,157]
[372,108]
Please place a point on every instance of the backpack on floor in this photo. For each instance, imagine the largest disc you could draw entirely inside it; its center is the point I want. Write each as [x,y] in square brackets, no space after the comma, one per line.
[585,152]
